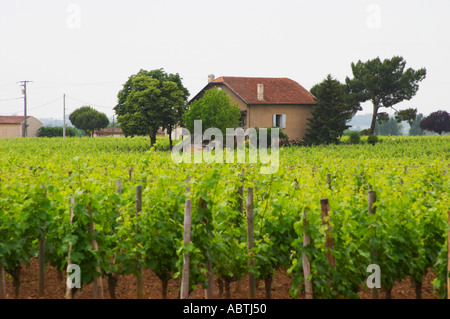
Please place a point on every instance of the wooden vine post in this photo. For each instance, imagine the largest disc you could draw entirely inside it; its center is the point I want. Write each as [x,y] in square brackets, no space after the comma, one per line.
[241,211]
[69,292]
[209,292]
[140,286]
[98,284]
[448,257]
[2,283]
[2,277]
[329,243]
[306,262]
[250,244]
[186,258]
[41,256]
[372,210]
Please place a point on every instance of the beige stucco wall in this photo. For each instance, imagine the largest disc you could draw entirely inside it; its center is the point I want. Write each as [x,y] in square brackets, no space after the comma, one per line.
[10,130]
[261,115]
[15,130]
[33,126]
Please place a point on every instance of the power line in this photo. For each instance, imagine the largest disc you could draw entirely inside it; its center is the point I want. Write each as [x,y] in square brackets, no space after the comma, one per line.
[15,98]
[35,107]
[59,85]
[88,103]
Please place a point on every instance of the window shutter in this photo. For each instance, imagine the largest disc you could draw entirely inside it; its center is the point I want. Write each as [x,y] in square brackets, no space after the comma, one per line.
[283,121]
[274,120]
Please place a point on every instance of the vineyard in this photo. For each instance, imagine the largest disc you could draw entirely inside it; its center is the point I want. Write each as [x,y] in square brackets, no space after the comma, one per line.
[116,208]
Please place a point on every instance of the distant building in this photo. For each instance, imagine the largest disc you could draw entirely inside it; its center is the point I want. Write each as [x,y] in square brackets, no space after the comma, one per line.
[13,126]
[267,102]
[109,132]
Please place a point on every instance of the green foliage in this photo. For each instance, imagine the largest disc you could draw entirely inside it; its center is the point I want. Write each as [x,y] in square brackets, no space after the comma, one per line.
[408,115]
[438,122]
[57,131]
[215,109]
[372,139]
[150,100]
[334,108]
[408,230]
[88,119]
[384,83]
[283,137]
[355,137]
[389,127]
[415,129]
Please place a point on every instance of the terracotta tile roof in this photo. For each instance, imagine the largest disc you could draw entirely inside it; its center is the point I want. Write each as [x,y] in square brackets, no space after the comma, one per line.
[109,131]
[12,119]
[276,90]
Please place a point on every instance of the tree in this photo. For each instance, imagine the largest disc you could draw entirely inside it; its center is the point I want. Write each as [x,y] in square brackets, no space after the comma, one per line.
[408,115]
[389,127]
[150,100]
[334,108]
[384,83]
[214,109]
[438,122]
[88,119]
[415,129]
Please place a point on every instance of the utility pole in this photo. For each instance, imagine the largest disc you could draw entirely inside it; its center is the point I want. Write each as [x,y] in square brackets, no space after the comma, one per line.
[25,125]
[64,116]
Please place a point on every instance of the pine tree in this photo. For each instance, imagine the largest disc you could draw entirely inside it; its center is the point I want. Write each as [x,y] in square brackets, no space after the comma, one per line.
[334,108]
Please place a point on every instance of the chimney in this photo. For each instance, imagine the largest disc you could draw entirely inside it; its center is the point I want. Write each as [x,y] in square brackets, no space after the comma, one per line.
[260,92]
[210,78]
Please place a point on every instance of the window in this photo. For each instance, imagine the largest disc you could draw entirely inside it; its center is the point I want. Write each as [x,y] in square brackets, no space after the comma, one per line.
[243,119]
[279,120]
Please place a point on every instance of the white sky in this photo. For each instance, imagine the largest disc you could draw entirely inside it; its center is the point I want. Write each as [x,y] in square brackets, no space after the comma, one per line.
[88,49]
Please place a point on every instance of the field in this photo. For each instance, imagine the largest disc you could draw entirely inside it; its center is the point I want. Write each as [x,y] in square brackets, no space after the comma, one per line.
[78,197]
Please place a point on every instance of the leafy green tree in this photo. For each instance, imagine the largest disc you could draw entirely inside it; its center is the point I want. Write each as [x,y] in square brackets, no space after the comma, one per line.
[437,122]
[334,108]
[150,100]
[389,127]
[214,109]
[415,129]
[88,119]
[384,83]
[408,115]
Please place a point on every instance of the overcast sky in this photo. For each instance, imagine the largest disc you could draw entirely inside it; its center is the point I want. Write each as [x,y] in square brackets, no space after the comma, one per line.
[88,49]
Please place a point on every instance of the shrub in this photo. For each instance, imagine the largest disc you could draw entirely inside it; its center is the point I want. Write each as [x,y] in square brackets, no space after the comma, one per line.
[57,131]
[355,137]
[372,139]
[283,138]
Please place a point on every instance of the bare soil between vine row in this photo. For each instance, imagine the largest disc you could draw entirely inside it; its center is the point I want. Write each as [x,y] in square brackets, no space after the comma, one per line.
[126,288]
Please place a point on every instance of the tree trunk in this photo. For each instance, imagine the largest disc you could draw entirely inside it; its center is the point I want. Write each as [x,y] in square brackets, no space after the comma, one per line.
[228,287]
[220,283]
[169,131]
[388,293]
[418,289]
[112,284]
[165,283]
[15,274]
[152,139]
[374,118]
[268,286]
